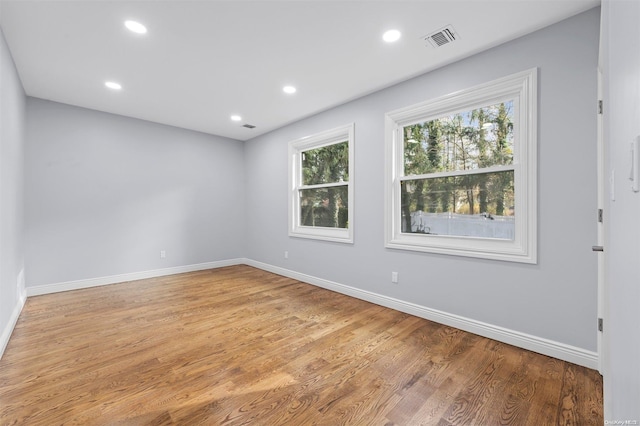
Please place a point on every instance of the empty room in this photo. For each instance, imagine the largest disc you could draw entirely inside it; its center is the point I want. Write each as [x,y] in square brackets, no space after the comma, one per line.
[320,212]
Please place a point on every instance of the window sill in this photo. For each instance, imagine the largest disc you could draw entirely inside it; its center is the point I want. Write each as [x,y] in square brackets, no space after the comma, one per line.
[325,234]
[482,248]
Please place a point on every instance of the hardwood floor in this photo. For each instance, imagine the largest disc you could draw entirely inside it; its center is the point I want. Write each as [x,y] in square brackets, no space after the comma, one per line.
[238,345]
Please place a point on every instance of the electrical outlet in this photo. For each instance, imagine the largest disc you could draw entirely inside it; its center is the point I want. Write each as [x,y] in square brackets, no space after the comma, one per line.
[163,254]
[286,254]
[394,277]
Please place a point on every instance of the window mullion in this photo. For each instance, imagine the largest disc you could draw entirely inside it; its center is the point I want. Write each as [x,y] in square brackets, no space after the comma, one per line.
[323,185]
[491,169]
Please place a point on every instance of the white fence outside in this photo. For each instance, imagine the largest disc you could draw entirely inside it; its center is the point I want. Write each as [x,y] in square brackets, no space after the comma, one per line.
[479,225]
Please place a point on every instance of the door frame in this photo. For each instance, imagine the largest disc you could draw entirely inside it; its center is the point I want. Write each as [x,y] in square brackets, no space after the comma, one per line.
[600,225]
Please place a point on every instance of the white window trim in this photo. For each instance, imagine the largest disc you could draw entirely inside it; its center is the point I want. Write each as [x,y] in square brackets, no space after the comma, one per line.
[522,88]
[296,147]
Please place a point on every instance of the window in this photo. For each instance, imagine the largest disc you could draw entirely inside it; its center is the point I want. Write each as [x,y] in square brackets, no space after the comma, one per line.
[321,186]
[461,172]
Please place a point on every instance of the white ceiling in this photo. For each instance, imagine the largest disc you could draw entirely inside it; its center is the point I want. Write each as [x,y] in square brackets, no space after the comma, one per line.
[202,61]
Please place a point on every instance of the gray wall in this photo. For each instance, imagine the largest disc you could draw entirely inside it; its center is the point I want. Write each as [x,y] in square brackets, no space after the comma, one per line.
[12,118]
[621,68]
[105,194]
[555,299]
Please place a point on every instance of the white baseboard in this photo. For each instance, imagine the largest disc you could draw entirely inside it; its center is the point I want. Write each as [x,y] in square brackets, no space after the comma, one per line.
[114,279]
[13,319]
[540,345]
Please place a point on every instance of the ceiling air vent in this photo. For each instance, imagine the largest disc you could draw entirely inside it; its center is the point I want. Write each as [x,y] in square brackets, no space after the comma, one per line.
[249,126]
[443,36]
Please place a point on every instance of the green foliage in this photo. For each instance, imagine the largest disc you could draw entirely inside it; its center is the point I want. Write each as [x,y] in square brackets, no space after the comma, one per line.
[325,206]
[327,164]
[470,140]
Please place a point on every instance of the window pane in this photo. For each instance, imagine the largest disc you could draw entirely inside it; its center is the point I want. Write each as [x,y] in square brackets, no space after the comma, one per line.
[468,140]
[325,207]
[328,164]
[478,205]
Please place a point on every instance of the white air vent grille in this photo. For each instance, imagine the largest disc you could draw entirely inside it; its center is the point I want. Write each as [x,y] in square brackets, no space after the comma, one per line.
[443,36]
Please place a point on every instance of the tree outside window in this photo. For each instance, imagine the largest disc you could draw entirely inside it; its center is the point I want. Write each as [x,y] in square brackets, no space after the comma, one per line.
[325,175]
[465,164]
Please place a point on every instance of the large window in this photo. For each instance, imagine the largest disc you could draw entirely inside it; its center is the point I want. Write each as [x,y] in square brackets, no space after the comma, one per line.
[320,185]
[461,172]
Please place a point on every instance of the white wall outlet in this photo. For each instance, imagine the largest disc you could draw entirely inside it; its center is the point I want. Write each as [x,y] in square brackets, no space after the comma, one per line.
[286,254]
[163,254]
[394,277]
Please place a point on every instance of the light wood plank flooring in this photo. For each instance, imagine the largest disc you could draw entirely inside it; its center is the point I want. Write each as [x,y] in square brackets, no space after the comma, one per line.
[238,345]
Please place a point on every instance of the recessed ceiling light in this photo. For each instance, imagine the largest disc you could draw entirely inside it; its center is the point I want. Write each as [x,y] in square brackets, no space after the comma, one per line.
[236,118]
[135,27]
[113,85]
[391,36]
[289,89]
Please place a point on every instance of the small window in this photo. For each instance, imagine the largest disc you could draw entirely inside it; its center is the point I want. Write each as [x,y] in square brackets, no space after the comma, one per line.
[321,189]
[461,173]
